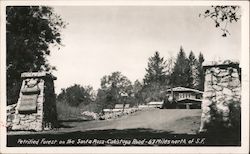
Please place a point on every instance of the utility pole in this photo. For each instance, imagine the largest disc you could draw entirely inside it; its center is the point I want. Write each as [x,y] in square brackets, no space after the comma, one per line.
[124,96]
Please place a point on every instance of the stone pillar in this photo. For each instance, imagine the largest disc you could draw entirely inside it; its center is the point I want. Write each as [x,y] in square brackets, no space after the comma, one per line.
[222,93]
[35,108]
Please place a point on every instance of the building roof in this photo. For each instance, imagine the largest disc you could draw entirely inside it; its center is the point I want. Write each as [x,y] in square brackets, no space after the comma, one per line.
[180,89]
[191,99]
[155,103]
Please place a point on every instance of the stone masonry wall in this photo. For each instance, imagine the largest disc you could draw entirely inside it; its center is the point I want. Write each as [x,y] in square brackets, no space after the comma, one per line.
[32,121]
[222,90]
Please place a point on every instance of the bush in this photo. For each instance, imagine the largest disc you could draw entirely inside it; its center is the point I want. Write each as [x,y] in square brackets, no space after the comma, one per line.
[221,131]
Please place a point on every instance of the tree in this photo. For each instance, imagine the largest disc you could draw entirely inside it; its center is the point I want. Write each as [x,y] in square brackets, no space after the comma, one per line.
[222,16]
[137,91]
[30,31]
[201,75]
[113,88]
[156,78]
[193,64]
[103,100]
[76,95]
[181,71]
[153,92]
[156,71]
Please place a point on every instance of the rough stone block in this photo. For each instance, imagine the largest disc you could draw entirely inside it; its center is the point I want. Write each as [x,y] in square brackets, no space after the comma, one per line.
[208,77]
[223,74]
[216,70]
[206,102]
[217,87]
[34,120]
[227,88]
[234,84]
[219,98]
[227,91]
[224,84]
[16,120]
[235,75]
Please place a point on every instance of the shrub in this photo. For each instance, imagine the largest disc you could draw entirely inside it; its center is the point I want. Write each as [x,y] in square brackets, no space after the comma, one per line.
[221,131]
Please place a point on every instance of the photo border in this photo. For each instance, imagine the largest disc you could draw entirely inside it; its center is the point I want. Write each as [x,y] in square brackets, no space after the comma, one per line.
[244,148]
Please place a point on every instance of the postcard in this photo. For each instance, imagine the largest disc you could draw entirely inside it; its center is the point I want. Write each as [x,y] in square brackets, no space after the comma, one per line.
[124,76]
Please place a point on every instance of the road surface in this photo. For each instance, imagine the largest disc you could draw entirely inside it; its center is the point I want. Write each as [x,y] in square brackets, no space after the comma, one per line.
[172,120]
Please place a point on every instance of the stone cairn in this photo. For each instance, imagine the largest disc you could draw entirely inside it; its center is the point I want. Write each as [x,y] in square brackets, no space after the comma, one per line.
[222,92]
[36,108]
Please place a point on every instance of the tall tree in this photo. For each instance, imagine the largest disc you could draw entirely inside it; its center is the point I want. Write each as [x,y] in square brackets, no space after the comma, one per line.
[156,71]
[181,71]
[201,75]
[30,31]
[193,64]
[156,78]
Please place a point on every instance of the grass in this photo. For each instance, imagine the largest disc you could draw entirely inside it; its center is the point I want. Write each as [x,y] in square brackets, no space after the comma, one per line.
[73,113]
[66,112]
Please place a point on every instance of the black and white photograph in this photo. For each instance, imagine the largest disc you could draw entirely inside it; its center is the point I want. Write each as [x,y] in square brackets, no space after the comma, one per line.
[140,75]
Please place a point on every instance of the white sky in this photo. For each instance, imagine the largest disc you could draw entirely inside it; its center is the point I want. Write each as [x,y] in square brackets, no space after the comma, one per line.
[103,39]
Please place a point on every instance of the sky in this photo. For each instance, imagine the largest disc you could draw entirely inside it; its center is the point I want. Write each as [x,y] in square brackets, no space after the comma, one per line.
[102,39]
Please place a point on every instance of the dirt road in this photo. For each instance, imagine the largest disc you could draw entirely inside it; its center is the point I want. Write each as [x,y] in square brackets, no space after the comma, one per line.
[172,120]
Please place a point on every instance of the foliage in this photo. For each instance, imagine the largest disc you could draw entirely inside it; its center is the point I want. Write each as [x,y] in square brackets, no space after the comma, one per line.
[30,31]
[67,112]
[156,78]
[201,73]
[162,74]
[222,16]
[103,100]
[181,71]
[225,129]
[235,116]
[115,89]
[156,70]
[153,92]
[76,95]
[188,72]
[192,63]
[117,82]
[137,91]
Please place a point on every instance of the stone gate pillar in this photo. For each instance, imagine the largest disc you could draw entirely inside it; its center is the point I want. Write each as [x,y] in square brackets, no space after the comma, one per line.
[222,93]
[36,107]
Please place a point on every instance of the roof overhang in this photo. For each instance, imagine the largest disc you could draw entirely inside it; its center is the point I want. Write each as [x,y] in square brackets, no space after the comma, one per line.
[190,99]
[183,89]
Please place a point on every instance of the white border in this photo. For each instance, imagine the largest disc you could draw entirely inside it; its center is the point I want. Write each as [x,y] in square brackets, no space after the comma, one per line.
[245,81]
